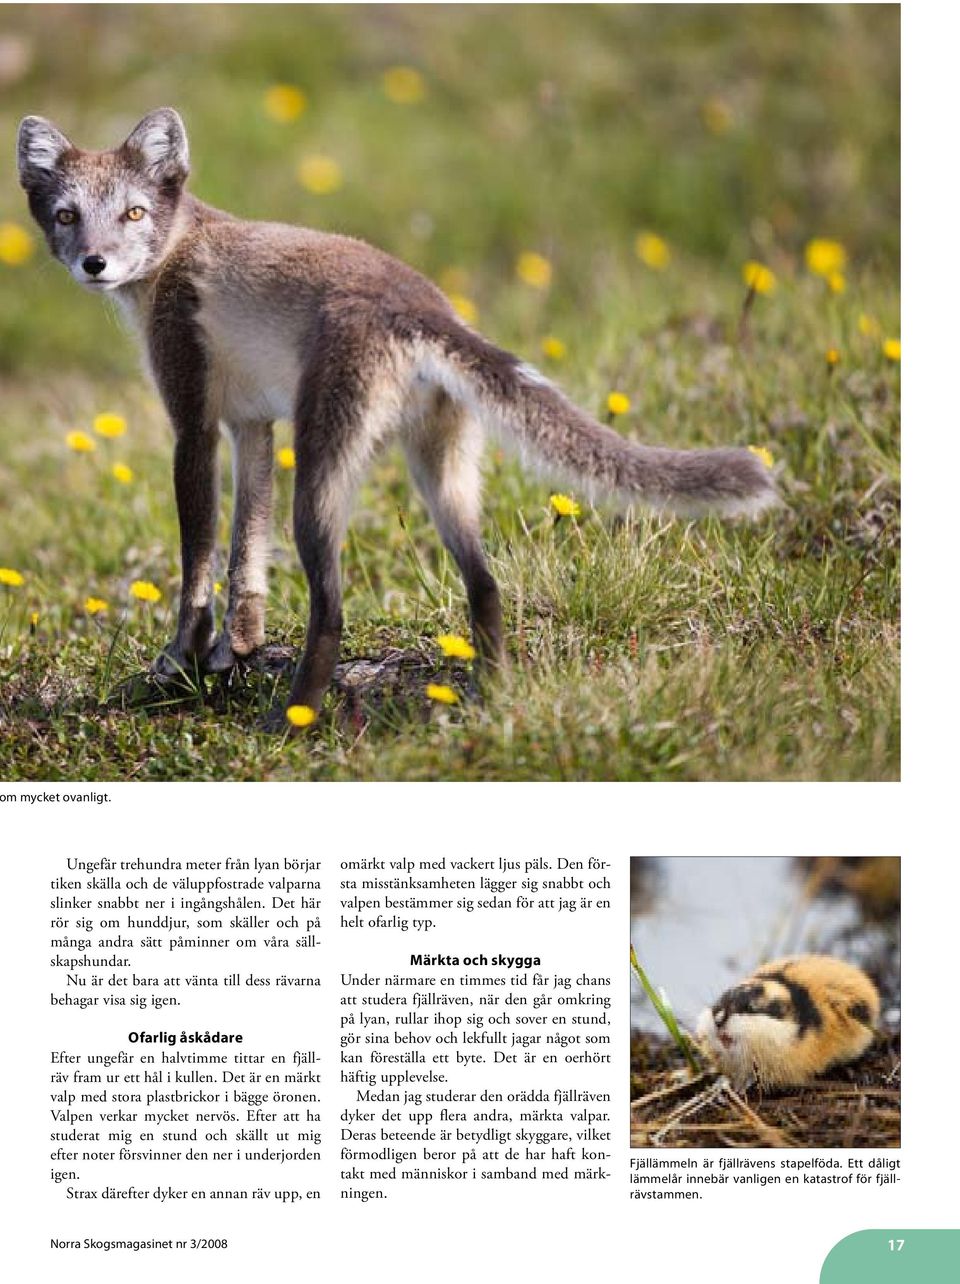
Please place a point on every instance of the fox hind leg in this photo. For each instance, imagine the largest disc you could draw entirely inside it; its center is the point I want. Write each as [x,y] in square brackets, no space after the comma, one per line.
[443,450]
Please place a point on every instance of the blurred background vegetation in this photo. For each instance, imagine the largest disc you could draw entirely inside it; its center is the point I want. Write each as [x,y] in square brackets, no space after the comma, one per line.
[733,132]
[588,184]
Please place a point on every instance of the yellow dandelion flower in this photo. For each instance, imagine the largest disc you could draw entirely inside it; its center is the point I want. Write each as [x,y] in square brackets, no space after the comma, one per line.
[284,103]
[465,308]
[109,425]
[144,591]
[122,473]
[34,619]
[824,257]
[320,174]
[442,694]
[832,356]
[717,116]
[836,282]
[455,647]
[534,270]
[300,715]
[10,577]
[564,506]
[891,349]
[762,454]
[217,586]
[454,280]
[618,403]
[404,85]
[16,244]
[81,442]
[652,250]
[868,326]
[553,348]
[758,277]
[94,605]
[287,458]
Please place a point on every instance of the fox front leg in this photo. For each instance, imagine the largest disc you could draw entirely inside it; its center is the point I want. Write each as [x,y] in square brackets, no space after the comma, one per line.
[335,435]
[180,367]
[195,483]
[244,626]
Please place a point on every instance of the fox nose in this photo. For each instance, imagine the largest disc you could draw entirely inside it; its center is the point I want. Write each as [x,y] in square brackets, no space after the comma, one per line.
[94,264]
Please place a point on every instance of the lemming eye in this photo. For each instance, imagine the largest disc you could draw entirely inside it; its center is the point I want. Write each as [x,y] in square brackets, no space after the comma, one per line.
[135,213]
[66,216]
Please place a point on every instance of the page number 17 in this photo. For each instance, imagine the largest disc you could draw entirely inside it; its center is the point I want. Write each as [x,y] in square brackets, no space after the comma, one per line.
[896,1245]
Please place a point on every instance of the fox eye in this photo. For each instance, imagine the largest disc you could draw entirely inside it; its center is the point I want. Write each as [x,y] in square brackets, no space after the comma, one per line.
[135,213]
[777,1008]
[66,216]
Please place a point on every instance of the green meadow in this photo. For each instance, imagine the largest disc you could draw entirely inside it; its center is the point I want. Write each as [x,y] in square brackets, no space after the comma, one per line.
[644,155]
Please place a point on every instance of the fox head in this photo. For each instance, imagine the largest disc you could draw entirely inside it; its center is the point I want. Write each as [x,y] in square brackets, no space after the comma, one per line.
[107,216]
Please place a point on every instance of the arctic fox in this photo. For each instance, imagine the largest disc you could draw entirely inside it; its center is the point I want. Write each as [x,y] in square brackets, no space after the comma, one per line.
[245,323]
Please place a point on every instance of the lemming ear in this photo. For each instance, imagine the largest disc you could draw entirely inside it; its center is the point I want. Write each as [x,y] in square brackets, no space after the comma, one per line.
[40,146]
[159,144]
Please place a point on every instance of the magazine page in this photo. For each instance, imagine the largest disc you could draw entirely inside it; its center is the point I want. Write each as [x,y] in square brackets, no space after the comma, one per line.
[263,1056]
[450,764]
[267,1055]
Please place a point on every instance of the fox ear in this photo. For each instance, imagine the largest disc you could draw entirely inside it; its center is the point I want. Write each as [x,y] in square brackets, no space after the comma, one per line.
[159,143]
[40,146]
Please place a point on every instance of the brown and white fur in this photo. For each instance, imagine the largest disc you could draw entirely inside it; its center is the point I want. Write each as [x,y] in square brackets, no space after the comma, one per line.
[246,322]
[790,1021]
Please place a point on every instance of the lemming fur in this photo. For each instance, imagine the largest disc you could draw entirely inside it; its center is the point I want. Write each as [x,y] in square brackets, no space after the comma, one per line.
[790,1021]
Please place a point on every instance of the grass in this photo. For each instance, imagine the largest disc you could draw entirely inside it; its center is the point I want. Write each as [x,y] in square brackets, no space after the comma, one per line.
[640,649]
[664,1010]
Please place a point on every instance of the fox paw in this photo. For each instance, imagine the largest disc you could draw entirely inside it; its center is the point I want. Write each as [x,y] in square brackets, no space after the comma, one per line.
[241,637]
[274,722]
[222,658]
[174,665]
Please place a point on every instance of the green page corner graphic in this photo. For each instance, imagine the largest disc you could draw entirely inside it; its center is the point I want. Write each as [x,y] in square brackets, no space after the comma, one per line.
[894,1257]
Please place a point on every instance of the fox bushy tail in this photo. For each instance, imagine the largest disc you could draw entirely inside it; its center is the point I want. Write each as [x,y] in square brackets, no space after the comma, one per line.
[526,406]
